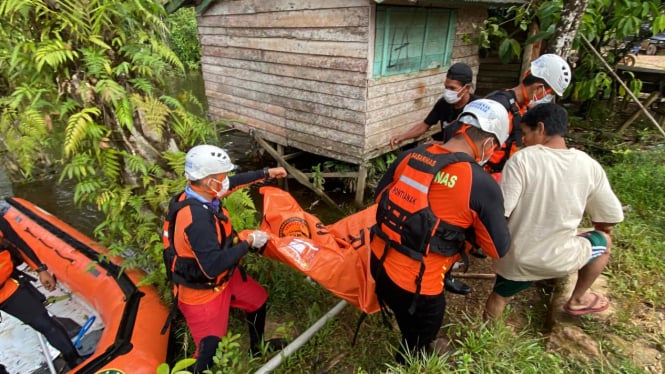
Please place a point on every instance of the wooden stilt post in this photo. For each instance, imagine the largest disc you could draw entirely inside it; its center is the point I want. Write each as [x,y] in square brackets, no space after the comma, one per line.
[282,183]
[360,184]
[295,173]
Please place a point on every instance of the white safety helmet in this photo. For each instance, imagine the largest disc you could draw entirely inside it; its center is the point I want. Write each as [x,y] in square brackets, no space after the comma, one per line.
[487,115]
[554,70]
[204,160]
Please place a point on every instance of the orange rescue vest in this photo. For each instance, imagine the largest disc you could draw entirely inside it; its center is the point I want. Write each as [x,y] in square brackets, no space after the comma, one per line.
[6,266]
[182,267]
[514,141]
[404,219]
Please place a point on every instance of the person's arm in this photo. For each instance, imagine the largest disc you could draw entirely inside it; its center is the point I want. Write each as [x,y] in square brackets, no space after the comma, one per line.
[434,117]
[603,205]
[490,227]
[414,132]
[512,183]
[248,178]
[202,236]
[29,256]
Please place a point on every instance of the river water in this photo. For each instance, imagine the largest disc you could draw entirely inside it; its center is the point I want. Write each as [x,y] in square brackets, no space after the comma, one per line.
[58,199]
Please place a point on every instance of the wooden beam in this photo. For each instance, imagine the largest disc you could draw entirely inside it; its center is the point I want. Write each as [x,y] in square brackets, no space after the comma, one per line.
[652,97]
[335,174]
[291,155]
[474,275]
[297,174]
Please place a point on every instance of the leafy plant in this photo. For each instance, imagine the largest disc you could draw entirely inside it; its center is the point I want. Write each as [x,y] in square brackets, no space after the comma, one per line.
[184,36]
[605,23]
[82,79]
[317,178]
[178,368]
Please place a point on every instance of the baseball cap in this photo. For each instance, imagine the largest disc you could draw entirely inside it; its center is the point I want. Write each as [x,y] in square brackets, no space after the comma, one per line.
[460,72]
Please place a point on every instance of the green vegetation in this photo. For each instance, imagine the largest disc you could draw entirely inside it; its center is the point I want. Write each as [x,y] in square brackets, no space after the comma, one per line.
[81,80]
[637,281]
[605,23]
[184,37]
[637,270]
[81,93]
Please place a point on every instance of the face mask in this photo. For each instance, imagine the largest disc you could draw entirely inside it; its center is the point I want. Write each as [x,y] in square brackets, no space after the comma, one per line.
[546,99]
[484,160]
[543,100]
[450,96]
[225,188]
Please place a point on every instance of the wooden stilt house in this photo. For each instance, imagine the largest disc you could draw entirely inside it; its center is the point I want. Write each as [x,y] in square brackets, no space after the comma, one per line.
[335,78]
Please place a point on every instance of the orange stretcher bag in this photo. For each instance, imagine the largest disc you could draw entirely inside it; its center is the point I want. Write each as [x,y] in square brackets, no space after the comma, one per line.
[335,256]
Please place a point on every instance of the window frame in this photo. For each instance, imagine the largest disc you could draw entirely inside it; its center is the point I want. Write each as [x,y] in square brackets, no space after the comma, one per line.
[386,11]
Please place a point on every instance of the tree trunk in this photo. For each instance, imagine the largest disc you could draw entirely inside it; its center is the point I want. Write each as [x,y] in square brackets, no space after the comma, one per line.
[561,41]
[531,51]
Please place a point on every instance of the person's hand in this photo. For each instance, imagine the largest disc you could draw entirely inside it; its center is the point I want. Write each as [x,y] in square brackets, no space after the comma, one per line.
[257,239]
[395,141]
[278,172]
[47,279]
[604,227]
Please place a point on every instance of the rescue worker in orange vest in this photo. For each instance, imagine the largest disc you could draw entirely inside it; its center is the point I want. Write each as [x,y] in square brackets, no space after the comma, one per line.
[202,254]
[431,201]
[548,75]
[22,300]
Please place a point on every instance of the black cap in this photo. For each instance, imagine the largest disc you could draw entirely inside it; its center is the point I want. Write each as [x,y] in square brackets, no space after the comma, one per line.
[460,72]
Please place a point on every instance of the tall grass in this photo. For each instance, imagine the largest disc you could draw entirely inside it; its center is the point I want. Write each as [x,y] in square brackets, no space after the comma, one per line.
[637,268]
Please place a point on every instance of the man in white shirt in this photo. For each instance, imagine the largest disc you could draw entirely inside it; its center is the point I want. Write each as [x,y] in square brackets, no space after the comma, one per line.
[547,188]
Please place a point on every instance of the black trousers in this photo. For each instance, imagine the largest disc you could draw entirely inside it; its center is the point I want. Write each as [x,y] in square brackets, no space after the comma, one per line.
[417,329]
[26,305]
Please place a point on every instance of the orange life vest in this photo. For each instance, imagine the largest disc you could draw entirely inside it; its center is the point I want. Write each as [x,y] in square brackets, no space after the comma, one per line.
[404,219]
[182,266]
[514,141]
[6,266]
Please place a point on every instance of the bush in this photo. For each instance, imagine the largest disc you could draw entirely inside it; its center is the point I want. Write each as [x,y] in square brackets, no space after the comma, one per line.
[184,37]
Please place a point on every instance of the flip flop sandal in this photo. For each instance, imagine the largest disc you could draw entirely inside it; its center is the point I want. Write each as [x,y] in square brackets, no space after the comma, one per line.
[589,309]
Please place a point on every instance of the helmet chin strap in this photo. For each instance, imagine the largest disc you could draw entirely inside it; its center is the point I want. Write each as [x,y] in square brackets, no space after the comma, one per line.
[208,190]
[470,142]
[527,99]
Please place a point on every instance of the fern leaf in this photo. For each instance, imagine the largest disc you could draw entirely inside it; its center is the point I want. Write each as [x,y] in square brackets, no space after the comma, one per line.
[123,111]
[77,127]
[142,84]
[109,90]
[99,41]
[54,54]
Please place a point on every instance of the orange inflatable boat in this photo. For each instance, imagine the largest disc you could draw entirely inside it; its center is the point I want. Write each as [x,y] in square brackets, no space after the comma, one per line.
[132,316]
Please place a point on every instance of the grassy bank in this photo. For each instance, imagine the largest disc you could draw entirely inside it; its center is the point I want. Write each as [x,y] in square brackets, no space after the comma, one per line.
[636,280]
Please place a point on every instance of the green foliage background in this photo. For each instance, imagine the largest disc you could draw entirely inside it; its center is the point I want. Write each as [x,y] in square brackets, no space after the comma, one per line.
[82,87]
[184,37]
[83,80]
[605,23]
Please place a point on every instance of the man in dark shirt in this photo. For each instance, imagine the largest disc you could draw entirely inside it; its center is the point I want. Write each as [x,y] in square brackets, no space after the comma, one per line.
[456,95]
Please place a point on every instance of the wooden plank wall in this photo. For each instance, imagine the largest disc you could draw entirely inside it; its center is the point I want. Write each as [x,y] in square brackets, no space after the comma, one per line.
[494,75]
[397,103]
[295,71]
